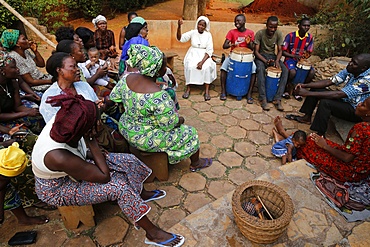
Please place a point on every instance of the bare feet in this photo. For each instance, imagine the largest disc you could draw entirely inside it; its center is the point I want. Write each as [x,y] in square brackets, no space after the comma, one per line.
[36,220]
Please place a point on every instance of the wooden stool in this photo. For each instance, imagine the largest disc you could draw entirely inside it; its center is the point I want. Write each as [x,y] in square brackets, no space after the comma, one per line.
[170,59]
[158,162]
[72,215]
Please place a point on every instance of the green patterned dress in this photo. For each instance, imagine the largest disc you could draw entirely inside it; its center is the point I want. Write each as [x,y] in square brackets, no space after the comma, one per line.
[149,120]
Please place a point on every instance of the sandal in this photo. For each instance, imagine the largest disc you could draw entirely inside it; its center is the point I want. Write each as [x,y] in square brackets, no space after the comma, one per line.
[223,97]
[207,163]
[250,100]
[297,118]
[286,95]
[158,194]
[299,98]
[207,97]
[163,244]
[186,95]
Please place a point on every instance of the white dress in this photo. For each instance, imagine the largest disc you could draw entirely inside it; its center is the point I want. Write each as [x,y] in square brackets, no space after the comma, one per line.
[201,43]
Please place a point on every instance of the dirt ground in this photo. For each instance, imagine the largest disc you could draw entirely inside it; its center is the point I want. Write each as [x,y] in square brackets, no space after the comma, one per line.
[172,10]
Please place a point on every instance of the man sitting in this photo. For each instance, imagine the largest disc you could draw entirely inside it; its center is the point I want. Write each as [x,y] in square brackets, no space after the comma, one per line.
[339,103]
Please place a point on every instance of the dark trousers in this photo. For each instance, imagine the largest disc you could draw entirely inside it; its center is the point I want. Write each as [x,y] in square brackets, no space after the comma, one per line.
[261,77]
[325,109]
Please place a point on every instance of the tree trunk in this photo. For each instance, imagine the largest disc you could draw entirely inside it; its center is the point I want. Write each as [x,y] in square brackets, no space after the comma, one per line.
[202,7]
[190,10]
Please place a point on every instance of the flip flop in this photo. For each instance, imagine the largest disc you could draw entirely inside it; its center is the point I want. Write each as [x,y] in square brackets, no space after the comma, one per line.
[207,97]
[223,97]
[186,95]
[298,98]
[296,118]
[286,95]
[207,163]
[250,100]
[163,244]
[155,196]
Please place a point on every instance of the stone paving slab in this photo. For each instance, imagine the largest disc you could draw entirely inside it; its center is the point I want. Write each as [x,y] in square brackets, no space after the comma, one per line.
[314,222]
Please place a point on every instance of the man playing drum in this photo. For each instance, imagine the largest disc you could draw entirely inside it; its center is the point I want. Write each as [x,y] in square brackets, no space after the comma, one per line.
[238,37]
[265,42]
[297,46]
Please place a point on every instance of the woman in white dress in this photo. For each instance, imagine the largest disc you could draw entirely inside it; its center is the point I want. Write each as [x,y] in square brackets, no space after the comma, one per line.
[199,67]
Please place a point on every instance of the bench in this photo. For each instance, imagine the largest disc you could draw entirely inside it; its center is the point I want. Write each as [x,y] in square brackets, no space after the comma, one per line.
[158,162]
[170,59]
[73,215]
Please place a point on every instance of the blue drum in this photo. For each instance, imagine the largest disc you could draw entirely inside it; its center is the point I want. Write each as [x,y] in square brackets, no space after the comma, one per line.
[272,82]
[303,68]
[240,71]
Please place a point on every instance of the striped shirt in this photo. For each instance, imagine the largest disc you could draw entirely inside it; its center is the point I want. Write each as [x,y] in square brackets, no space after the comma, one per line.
[296,45]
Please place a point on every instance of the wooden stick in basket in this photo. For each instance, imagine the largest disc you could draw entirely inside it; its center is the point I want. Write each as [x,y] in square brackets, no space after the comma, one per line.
[263,205]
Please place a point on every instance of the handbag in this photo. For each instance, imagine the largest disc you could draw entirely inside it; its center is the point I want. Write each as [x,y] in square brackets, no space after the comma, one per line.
[111,140]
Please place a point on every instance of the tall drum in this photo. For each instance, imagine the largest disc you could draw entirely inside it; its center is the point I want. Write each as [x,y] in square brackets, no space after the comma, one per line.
[303,68]
[272,82]
[240,71]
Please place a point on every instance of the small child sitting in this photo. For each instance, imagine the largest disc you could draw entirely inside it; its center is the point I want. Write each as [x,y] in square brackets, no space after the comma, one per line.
[168,83]
[286,145]
[90,67]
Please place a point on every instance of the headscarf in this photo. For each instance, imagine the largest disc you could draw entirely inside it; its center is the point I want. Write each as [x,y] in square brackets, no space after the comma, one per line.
[5,59]
[13,160]
[147,59]
[98,19]
[203,18]
[75,117]
[9,38]
[133,29]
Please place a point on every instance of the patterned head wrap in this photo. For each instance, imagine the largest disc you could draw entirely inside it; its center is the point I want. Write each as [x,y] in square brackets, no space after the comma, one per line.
[203,18]
[9,38]
[147,59]
[98,19]
[5,59]
[75,117]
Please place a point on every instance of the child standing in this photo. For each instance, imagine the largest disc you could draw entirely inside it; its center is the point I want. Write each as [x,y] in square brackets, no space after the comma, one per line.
[90,67]
[286,145]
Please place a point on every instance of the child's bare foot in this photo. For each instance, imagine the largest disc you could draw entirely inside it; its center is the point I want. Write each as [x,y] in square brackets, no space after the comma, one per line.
[36,220]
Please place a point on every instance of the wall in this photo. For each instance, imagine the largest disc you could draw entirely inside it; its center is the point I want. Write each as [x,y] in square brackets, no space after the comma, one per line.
[163,33]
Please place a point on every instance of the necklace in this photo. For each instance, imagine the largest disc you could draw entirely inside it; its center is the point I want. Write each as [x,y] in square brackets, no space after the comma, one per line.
[6,91]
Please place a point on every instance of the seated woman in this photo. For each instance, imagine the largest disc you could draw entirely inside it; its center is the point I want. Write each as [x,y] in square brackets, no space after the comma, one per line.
[104,38]
[199,68]
[12,112]
[9,197]
[122,35]
[27,62]
[59,160]
[136,33]
[348,162]
[150,121]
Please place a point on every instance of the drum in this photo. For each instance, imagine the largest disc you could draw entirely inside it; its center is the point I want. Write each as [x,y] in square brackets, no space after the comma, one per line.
[272,82]
[303,68]
[240,71]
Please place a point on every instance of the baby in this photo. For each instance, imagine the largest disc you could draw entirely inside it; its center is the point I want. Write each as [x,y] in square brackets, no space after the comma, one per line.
[286,145]
[90,67]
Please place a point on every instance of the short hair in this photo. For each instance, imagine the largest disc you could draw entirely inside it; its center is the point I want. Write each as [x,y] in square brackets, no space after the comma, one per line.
[272,19]
[131,14]
[55,61]
[64,33]
[93,49]
[300,134]
[303,19]
[242,15]
[66,46]
[85,34]
[365,57]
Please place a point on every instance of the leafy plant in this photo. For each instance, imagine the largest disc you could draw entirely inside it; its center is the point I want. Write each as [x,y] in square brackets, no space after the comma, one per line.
[6,17]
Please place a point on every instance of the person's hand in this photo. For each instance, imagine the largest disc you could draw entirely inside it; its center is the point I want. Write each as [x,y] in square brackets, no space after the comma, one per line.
[199,65]
[301,91]
[277,64]
[180,22]
[102,71]
[33,112]
[31,97]
[112,48]
[270,62]
[319,140]
[33,46]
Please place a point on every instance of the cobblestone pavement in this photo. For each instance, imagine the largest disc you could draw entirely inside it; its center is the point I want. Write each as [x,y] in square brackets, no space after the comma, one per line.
[238,137]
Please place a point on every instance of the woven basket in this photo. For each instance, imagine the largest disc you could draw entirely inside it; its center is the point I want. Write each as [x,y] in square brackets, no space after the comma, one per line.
[276,200]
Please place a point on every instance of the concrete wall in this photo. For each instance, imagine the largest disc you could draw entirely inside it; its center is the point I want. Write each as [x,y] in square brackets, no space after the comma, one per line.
[163,33]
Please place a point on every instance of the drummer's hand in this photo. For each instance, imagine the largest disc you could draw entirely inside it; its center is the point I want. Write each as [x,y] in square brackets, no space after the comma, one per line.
[277,64]
[270,62]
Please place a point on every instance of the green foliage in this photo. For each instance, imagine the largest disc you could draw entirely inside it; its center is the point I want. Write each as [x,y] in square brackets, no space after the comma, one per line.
[348,32]
[6,17]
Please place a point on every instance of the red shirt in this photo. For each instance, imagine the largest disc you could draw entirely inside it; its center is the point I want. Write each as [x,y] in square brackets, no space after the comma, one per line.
[237,37]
